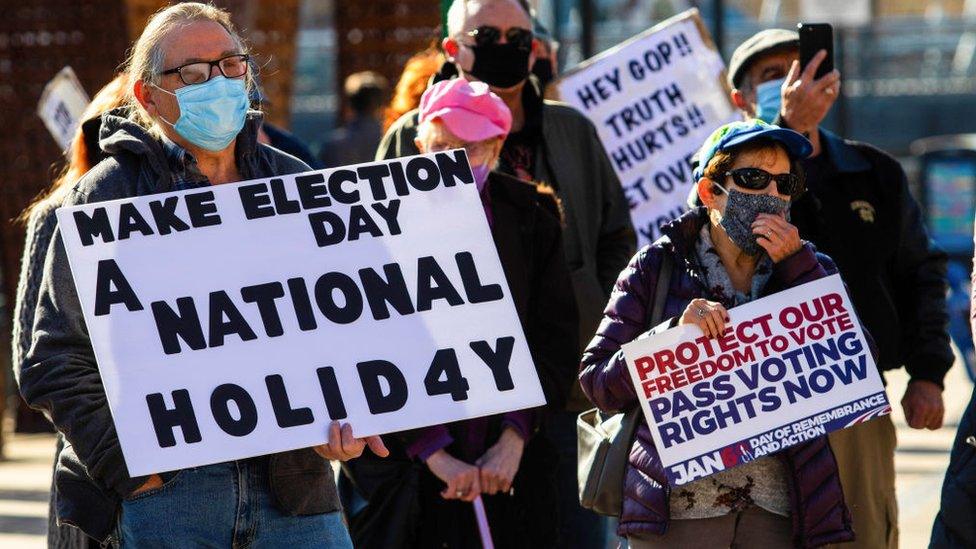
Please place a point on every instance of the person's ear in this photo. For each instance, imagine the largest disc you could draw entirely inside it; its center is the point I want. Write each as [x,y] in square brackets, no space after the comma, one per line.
[143,94]
[499,143]
[741,103]
[496,151]
[705,192]
[534,52]
[450,47]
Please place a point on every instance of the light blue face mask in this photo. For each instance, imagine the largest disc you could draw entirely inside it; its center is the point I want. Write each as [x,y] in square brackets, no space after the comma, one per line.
[212,113]
[769,99]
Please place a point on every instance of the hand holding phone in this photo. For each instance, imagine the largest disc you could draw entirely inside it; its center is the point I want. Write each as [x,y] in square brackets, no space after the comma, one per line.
[812,85]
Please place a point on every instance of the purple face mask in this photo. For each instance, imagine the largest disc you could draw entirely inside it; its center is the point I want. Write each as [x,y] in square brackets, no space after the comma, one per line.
[481,175]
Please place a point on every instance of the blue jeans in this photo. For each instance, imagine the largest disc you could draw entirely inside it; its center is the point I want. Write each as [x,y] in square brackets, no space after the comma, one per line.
[223,505]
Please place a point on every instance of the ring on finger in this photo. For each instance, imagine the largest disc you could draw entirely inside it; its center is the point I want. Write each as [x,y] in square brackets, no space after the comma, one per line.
[700,312]
[460,493]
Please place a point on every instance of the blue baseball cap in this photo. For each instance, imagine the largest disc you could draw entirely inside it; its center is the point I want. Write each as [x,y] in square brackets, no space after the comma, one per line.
[739,132]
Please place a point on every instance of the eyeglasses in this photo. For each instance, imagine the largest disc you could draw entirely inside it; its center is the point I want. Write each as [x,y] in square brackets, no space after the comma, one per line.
[487,35]
[232,66]
[757,179]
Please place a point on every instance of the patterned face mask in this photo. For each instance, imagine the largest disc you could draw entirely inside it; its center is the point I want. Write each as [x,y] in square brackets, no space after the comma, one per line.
[741,210]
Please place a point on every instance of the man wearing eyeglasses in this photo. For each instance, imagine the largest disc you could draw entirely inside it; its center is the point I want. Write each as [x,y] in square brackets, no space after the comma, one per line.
[190,127]
[858,210]
[492,41]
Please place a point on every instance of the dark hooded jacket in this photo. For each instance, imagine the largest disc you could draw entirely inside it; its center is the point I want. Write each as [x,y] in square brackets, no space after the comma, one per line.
[817,502]
[59,374]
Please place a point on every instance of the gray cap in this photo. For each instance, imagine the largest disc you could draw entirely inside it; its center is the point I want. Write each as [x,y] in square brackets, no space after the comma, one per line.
[762,42]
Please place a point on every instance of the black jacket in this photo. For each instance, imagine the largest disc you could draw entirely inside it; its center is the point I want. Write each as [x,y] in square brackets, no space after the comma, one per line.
[405,508]
[599,238]
[859,211]
[59,374]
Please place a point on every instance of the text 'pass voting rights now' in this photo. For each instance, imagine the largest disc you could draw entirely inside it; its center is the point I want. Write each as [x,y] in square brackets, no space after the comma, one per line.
[241,319]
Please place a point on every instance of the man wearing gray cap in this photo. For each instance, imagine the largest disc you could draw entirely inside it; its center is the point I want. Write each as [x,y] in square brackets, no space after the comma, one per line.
[858,210]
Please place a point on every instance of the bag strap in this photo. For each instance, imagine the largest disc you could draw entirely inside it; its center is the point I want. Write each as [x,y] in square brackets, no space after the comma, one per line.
[655,316]
[661,290]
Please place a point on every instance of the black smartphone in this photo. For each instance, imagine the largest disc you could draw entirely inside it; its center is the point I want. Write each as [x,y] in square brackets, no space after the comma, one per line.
[813,38]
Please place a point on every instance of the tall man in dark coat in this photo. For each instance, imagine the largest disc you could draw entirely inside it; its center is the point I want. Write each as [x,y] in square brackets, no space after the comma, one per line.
[551,143]
[858,210]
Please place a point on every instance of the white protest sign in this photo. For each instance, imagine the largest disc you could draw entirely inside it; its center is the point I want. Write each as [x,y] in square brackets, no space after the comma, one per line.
[239,320]
[654,99]
[790,367]
[61,106]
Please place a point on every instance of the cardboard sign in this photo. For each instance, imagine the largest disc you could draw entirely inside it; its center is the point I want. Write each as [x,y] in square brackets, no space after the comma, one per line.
[61,106]
[654,99]
[790,367]
[239,320]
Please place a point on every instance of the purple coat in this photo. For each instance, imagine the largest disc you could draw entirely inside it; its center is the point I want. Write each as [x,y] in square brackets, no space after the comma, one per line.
[817,501]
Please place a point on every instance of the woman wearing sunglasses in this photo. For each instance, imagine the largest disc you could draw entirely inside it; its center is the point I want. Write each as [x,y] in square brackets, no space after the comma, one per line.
[738,247]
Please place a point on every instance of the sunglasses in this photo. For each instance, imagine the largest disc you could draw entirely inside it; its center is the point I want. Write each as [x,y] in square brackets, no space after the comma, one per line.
[756,179]
[487,35]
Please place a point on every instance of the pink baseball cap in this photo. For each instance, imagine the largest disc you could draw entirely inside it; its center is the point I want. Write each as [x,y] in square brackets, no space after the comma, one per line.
[469,109]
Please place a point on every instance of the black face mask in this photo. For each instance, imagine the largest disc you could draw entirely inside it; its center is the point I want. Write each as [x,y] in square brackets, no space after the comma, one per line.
[500,65]
[543,71]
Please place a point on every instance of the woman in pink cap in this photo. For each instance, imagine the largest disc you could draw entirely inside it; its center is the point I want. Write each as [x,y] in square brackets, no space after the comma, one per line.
[506,459]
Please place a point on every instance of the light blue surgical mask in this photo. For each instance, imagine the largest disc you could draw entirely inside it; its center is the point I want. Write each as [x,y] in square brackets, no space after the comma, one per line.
[211,113]
[769,99]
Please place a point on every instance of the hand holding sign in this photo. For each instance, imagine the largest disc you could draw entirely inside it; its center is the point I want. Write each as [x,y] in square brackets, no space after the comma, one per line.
[343,446]
[709,316]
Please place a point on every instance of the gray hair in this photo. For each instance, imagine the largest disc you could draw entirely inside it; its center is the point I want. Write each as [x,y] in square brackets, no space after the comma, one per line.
[457,14]
[146,58]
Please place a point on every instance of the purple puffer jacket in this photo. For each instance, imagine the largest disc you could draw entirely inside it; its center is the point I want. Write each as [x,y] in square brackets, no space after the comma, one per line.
[817,501]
